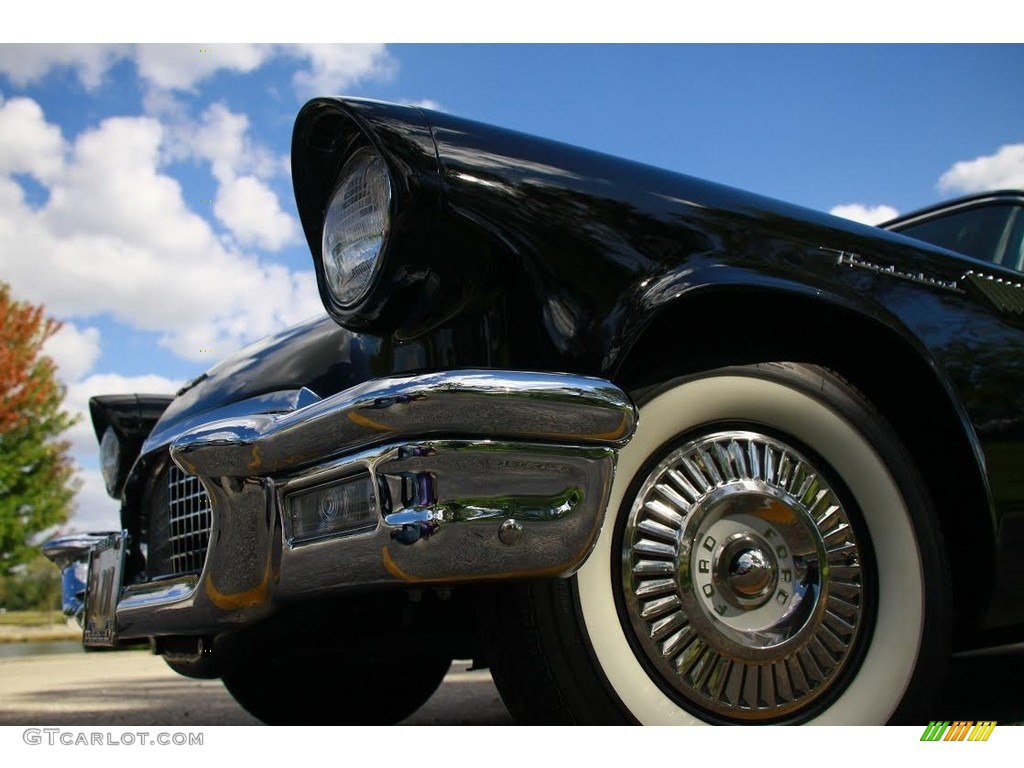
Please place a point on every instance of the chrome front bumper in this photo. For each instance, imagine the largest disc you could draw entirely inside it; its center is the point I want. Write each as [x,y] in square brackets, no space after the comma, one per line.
[475,475]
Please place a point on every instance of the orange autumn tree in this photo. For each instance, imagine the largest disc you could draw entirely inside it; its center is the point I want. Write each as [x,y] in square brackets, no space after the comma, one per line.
[37,482]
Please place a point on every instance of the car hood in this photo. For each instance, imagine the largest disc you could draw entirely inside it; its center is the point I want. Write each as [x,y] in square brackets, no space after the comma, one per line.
[317,355]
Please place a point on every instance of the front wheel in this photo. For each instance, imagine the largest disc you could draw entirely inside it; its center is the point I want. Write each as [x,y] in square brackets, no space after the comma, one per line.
[770,556]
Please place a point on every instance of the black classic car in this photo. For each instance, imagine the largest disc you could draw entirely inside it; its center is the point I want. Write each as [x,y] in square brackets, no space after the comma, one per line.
[651,449]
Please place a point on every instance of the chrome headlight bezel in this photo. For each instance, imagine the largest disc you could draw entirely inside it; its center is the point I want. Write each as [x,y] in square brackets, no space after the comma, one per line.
[356,225]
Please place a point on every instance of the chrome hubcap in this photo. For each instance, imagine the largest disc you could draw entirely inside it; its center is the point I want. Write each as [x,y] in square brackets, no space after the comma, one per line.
[742,576]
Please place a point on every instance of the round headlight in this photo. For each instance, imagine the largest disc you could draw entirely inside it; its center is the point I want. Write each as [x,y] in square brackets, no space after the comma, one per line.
[356,226]
[110,459]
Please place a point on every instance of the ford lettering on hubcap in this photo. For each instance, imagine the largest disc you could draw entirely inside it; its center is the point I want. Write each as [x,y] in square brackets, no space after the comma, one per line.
[742,577]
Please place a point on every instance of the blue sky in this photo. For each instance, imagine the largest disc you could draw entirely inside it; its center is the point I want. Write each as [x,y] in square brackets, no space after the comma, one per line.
[145,195]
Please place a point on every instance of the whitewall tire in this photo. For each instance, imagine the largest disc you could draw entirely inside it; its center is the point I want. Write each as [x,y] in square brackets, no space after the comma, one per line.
[769,556]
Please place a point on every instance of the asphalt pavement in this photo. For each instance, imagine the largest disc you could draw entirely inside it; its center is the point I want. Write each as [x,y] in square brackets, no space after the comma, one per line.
[128,688]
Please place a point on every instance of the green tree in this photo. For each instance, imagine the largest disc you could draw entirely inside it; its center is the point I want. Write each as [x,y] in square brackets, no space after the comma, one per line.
[37,482]
[33,586]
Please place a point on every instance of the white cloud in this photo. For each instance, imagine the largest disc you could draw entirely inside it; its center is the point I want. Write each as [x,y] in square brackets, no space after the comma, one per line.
[94,510]
[28,144]
[251,211]
[865,214]
[116,236]
[113,187]
[1004,169]
[335,68]
[25,64]
[181,67]
[271,298]
[244,203]
[167,67]
[74,351]
[220,138]
[116,383]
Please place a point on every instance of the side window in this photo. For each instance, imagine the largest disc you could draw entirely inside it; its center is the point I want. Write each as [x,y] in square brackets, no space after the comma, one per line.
[978,232]
[1014,256]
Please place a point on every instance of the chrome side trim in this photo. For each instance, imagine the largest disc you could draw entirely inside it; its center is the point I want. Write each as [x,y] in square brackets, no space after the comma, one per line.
[475,404]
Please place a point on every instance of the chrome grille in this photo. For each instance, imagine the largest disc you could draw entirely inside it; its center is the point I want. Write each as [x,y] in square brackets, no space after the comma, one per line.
[189,522]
